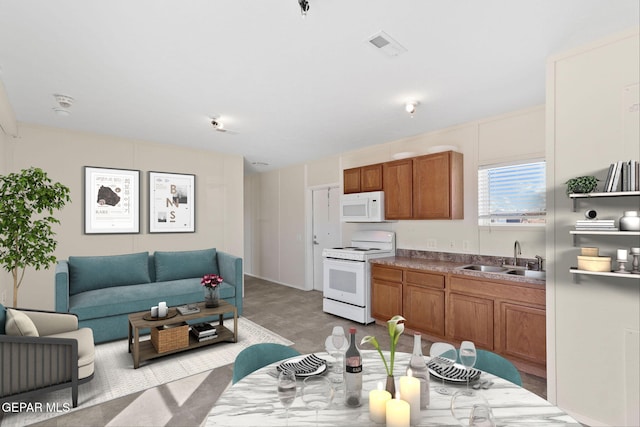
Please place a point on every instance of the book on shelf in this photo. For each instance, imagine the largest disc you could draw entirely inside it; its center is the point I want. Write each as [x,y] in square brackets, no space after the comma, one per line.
[623,176]
[188,309]
[202,330]
[207,338]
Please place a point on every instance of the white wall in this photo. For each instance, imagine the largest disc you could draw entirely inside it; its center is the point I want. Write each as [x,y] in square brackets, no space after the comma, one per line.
[593,324]
[63,154]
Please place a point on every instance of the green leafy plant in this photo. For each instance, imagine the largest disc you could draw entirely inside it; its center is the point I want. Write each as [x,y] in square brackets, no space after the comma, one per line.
[27,202]
[582,184]
[396,328]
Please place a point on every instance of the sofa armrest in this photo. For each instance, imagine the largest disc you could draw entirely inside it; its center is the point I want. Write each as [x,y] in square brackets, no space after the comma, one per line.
[36,363]
[230,268]
[50,323]
[62,287]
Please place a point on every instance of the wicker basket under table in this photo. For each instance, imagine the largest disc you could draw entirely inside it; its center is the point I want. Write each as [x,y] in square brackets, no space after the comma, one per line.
[170,337]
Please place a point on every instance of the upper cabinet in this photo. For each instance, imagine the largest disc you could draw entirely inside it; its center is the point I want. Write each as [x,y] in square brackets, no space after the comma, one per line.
[438,186]
[424,187]
[397,183]
[363,179]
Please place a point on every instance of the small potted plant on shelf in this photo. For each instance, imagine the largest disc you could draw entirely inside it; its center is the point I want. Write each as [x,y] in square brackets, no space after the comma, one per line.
[582,184]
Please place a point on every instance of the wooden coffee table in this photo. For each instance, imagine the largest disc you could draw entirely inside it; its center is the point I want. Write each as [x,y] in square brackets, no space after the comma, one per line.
[144,350]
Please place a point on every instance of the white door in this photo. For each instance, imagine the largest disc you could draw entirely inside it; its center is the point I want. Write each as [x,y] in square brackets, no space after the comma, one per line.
[326,227]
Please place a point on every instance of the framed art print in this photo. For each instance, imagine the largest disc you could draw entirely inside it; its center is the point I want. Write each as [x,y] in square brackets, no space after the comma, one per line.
[111,200]
[171,203]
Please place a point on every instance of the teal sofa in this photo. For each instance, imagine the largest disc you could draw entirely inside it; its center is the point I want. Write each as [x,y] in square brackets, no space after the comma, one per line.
[103,290]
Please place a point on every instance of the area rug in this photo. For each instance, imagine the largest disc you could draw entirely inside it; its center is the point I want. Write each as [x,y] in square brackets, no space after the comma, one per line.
[115,377]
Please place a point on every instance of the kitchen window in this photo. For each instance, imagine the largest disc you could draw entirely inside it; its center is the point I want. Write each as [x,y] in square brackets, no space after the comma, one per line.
[512,194]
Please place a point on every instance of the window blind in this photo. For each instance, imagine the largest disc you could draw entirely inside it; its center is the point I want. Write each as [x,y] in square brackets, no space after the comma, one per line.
[512,194]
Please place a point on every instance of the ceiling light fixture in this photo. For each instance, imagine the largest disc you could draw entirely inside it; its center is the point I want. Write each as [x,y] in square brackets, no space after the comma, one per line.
[304,7]
[410,107]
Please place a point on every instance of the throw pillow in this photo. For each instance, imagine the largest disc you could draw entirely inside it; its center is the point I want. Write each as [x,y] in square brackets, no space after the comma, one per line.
[185,264]
[87,273]
[19,324]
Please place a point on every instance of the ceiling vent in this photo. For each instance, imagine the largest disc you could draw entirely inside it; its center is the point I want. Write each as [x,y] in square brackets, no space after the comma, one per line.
[384,43]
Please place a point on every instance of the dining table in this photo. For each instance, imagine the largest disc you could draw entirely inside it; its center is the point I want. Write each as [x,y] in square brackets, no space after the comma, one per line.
[253,401]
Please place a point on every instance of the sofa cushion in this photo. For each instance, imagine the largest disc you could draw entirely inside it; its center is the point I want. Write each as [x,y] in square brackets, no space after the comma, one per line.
[185,264]
[94,272]
[3,318]
[19,324]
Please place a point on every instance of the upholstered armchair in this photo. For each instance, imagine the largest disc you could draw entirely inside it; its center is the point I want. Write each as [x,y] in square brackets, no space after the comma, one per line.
[42,351]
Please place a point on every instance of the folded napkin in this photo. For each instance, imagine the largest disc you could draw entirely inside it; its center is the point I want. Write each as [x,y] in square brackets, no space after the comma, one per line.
[453,372]
[305,366]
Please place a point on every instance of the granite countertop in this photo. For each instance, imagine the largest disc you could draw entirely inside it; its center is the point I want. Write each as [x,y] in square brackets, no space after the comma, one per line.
[453,266]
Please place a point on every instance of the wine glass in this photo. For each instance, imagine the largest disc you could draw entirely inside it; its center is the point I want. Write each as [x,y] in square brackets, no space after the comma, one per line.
[338,339]
[317,393]
[468,359]
[471,410]
[287,390]
[443,354]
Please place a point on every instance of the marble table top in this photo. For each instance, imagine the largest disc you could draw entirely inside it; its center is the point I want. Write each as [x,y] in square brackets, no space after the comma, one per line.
[253,401]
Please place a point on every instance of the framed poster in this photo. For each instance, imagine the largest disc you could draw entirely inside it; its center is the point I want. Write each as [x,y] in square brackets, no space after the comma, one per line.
[111,200]
[172,203]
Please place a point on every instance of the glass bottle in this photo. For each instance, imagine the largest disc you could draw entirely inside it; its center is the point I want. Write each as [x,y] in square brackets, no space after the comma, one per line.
[419,370]
[353,373]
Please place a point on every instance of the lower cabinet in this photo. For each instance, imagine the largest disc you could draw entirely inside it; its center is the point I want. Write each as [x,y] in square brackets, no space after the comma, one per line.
[505,317]
[423,302]
[386,292]
[471,319]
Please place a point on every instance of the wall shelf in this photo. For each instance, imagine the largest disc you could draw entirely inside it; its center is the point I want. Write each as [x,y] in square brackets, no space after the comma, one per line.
[636,276]
[576,196]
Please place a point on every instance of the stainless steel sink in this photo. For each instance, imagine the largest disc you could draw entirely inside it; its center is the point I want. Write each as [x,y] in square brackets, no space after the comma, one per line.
[485,268]
[529,273]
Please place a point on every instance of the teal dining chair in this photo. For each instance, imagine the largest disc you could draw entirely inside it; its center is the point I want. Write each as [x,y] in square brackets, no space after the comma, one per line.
[497,365]
[256,356]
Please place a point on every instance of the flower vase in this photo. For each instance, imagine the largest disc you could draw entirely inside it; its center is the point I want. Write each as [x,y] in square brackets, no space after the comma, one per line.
[211,297]
[391,386]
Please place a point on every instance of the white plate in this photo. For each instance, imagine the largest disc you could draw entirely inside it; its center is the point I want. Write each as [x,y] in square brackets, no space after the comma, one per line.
[328,345]
[315,365]
[455,373]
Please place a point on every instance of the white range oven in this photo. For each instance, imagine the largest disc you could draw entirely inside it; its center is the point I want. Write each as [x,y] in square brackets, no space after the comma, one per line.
[347,274]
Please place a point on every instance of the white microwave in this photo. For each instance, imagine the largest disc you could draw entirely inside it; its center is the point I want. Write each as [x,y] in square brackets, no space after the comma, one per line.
[362,207]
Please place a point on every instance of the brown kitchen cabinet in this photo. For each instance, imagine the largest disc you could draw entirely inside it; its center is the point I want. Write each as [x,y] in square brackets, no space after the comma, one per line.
[386,292]
[424,187]
[424,302]
[503,316]
[438,186]
[351,180]
[508,318]
[362,179]
[397,183]
[470,319]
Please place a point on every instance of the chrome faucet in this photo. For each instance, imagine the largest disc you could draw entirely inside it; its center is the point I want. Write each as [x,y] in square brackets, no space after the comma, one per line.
[540,265]
[516,251]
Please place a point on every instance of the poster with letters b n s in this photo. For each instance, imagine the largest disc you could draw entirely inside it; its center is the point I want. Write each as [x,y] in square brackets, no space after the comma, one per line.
[171,203]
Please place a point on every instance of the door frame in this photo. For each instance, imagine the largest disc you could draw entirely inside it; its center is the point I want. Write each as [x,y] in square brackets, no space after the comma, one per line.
[308,282]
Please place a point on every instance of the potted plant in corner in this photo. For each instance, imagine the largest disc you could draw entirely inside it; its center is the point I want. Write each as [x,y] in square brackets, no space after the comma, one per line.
[27,202]
[582,184]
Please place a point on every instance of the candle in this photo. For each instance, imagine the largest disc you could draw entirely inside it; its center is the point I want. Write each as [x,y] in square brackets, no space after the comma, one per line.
[635,250]
[410,392]
[397,413]
[154,311]
[162,309]
[622,254]
[378,404]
